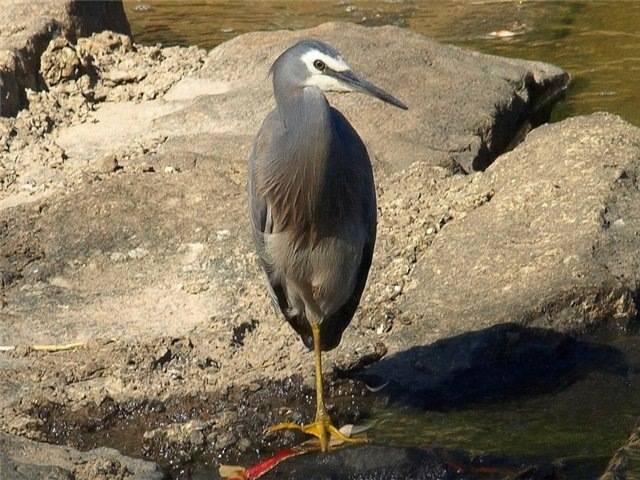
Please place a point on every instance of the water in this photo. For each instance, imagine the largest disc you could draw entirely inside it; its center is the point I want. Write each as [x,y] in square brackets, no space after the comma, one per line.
[597,43]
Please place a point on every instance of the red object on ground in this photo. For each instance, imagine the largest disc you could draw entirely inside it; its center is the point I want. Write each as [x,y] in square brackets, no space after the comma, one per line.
[258,470]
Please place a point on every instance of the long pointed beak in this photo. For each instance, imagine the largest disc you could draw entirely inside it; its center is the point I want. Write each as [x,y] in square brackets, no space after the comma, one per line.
[369,88]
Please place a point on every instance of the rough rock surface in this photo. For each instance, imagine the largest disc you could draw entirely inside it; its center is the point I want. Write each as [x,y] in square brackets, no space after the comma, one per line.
[105,67]
[122,225]
[22,459]
[553,245]
[26,28]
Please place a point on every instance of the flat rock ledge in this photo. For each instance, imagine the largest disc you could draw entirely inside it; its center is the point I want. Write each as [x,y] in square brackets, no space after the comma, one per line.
[22,459]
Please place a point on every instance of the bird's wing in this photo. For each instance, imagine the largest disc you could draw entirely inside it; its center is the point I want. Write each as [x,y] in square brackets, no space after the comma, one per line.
[261,220]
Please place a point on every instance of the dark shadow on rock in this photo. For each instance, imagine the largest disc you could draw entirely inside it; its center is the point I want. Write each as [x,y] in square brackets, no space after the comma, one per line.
[512,124]
[377,462]
[498,363]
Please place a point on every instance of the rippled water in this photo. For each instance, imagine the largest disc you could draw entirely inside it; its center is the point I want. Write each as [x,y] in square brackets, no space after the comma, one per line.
[598,43]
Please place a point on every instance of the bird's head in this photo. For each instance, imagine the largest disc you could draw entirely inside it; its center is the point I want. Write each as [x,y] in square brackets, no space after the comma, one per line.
[312,63]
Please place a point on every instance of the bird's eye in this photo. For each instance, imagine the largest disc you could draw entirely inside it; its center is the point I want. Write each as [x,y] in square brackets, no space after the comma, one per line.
[319,64]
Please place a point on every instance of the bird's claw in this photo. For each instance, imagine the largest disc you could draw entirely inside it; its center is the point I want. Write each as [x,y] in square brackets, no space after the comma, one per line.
[321,429]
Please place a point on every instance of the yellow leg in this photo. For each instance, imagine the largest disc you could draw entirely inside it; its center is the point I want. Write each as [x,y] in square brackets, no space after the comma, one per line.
[322,427]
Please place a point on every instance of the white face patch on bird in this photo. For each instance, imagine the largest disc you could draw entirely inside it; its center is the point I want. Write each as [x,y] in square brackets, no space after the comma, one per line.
[319,64]
[312,63]
[314,59]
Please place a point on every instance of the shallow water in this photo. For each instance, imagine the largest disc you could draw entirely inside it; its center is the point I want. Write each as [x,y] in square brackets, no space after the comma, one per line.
[597,42]
[581,424]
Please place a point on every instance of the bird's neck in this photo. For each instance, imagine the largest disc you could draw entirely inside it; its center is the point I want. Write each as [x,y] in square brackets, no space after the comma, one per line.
[303,111]
[301,171]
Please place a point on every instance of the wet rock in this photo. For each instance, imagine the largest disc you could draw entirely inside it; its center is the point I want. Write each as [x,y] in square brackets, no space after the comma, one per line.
[390,463]
[183,437]
[27,29]
[22,459]
[223,440]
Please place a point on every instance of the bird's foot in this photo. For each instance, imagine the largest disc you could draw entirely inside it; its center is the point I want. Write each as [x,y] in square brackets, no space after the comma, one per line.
[323,429]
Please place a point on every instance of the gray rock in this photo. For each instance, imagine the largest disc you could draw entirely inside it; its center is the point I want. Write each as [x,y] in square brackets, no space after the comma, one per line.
[26,29]
[22,459]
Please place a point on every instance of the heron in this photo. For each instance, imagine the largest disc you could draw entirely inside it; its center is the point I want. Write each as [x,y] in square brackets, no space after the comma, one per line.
[312,205]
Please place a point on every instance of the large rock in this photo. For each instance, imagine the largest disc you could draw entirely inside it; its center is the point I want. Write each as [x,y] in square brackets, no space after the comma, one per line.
[552,244]
[26,29]
[202,129]
[22,459]
[465,108]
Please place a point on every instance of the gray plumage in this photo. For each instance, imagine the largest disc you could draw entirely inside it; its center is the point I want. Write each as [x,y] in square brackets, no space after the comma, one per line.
[312,194]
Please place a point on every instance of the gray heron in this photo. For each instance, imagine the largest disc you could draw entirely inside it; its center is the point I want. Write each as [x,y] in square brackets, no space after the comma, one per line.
[313,205]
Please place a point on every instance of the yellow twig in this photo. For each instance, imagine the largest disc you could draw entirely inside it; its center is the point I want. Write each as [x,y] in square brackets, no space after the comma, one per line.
[46,348]
[58,348]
